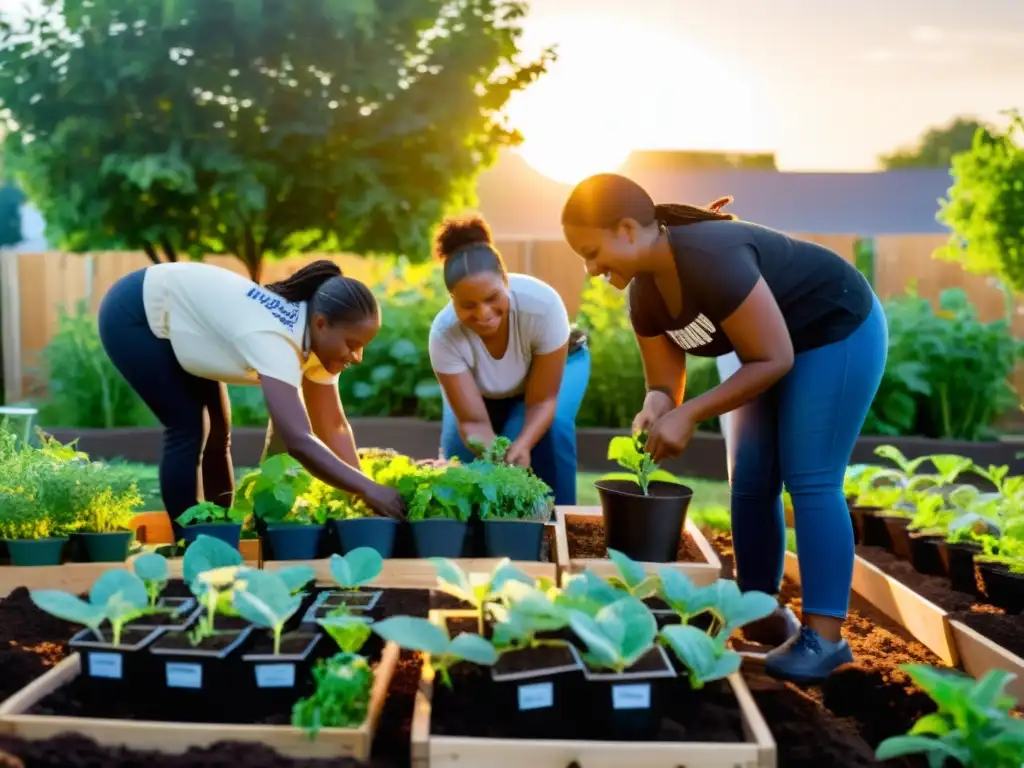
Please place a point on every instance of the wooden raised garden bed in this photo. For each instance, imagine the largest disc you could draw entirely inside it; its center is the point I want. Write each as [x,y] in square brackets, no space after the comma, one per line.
[70,577]
[17,719]
[580,547]
[754,746]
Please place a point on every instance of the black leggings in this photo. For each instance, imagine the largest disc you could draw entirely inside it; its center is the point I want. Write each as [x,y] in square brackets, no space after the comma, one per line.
[195,412]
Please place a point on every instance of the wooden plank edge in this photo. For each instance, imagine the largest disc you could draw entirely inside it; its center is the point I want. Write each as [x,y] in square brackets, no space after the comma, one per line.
[754,725]
[922,619]
[402,573]
[287,740]
[978,655]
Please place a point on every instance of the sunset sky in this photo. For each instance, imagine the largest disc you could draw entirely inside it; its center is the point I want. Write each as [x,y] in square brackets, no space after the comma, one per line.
[827,85]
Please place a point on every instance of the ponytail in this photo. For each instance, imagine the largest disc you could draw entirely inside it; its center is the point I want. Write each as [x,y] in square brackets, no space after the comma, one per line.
[678,214]
[338,298]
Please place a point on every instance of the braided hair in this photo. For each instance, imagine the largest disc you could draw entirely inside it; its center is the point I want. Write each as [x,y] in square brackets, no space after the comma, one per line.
[606,199]
[466,247]
[338,298]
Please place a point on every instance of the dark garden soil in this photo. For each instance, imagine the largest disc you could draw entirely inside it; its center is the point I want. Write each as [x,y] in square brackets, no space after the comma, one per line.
[837,725]
[994,623]
[586,540]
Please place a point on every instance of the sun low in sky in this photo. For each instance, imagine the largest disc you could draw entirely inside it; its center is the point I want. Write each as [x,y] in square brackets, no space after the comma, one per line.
[604,98]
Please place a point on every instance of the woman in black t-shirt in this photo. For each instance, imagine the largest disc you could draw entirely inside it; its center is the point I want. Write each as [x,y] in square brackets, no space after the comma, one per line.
[812,339]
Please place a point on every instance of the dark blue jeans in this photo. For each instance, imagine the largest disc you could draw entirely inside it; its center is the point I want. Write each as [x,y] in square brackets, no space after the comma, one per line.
[195,412]
[553,458]
[801,433]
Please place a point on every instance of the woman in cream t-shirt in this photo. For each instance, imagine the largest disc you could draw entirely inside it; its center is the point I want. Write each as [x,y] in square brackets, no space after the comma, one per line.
[502,352]
[179,332]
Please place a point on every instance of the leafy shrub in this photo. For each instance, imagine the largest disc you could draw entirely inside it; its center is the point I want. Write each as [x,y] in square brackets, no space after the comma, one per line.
[948,373]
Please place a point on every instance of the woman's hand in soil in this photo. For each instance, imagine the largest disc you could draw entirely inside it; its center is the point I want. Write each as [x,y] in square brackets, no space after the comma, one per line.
[385,501]
[669,435]
[518,454]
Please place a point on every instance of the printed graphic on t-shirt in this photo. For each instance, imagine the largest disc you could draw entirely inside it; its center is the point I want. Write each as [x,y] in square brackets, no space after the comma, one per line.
[285,312]
[696,334]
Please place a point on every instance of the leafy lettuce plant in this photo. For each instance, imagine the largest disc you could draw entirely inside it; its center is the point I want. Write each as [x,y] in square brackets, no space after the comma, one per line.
[973,724]
[341,698]
[480,590]
[417,634]
[263,598]
[630,454]
[116,596]
[270,493]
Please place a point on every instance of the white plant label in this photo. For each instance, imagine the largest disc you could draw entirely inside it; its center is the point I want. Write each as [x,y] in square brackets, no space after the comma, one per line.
[181,675]
[634,696]
[106,665]
[536,696]
[275,675]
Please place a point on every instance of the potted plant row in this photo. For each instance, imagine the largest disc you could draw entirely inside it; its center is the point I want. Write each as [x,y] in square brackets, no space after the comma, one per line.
[56,504]
[240,649]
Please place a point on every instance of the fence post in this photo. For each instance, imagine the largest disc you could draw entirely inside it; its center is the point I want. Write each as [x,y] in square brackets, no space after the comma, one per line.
[10,325]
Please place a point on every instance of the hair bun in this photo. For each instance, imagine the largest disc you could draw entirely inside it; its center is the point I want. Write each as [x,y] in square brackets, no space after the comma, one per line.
[456,233]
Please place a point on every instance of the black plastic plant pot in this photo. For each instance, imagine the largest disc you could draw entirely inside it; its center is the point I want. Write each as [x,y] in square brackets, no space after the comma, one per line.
[520,540]
[534,687]
[958,562]
[874,532]
[123,670]
[924,554]
[440,537]
[899,535]
[857,515]
[645,528]
[32,552]
[374,532]
[629,705]
[1003,588]
[229,533]
[201,679]
[357,601]
[106,547]
[287,541]
[275,680]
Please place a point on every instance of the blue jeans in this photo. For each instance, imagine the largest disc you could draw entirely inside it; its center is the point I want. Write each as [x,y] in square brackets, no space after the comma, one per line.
[553,458]
[801,433]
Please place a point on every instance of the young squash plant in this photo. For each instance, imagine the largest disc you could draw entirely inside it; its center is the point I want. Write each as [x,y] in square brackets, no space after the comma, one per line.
[116,597]
[418,634]
[630,454]
[263,598]
[617,636]
[973,724]
[480,590]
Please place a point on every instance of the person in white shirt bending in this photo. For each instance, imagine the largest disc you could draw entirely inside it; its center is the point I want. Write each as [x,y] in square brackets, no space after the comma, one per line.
[179,332]
[506,359]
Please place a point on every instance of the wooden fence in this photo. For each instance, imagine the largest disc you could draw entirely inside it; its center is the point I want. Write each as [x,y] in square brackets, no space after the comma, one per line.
[33,287]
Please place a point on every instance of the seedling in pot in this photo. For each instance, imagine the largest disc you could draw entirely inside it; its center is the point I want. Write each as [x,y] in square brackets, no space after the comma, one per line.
[631,577]
[350,572]
[629,453]
[417,634]
[479,590]
[349,631]
[152,569]
[263,598]
[341,698]
[208,513]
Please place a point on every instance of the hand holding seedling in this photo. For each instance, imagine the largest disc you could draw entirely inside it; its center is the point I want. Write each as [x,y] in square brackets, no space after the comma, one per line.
[671,434]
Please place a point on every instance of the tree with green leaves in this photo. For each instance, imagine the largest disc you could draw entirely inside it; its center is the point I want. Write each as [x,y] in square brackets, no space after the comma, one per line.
[11,200]
[257,127]
[985,209]
[938,145]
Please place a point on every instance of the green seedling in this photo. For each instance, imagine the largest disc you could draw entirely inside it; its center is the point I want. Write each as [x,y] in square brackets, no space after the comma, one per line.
[206,512]
[684,597]
[348,630]
[527,610]
[973,724]
[116,596]
[416,634]
[480,590]
[631,577]
[617,636]
[629,453]
[705,657]
[152,569]
[263,598]
[357,568]
[341,698]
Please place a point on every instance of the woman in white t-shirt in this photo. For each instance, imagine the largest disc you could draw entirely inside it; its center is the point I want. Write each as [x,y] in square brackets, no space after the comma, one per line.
[179,332]
[502,352]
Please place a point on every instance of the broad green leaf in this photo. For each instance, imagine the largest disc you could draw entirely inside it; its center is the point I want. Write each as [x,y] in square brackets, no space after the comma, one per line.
[128,585]
[413,634]
[901,746]
[296,577]
[453,580]
[359,566]
[630,571]
[263,598]
[66,606]
[473,648]
[151,567]
[205,554]
[934,724]
[601,649]
[635,627]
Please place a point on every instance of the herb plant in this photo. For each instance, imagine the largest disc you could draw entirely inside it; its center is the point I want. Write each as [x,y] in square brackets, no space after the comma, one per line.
[973,724]
[629,453]
[116,596]
[341,698]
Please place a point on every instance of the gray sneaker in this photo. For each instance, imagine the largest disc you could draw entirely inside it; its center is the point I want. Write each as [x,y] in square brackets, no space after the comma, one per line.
[807,658]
